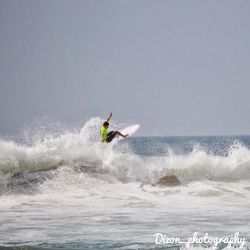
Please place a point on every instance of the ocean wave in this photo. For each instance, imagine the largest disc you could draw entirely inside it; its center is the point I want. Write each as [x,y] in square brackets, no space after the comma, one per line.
[82,149]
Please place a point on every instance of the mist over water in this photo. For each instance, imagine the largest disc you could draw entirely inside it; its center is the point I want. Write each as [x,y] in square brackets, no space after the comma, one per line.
[64,188]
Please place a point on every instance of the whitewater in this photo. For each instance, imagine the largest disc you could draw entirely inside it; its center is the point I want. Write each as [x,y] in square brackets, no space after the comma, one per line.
[68,190]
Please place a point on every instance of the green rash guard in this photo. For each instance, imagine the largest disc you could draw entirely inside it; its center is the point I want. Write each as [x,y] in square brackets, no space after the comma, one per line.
[104,133]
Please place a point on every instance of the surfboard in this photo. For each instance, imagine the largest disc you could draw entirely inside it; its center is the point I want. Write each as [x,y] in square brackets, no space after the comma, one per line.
[130,130]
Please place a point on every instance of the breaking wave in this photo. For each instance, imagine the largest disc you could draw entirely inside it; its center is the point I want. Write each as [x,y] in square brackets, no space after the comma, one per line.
[79,154]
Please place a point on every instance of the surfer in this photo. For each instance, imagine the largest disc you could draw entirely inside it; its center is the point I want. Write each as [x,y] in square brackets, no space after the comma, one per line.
[109,136]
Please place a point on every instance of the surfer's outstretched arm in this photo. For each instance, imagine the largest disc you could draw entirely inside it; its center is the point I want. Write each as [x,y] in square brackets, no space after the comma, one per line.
[110,115]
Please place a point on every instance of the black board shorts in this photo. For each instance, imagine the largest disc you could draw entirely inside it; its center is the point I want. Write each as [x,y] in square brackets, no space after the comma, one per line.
[111,135]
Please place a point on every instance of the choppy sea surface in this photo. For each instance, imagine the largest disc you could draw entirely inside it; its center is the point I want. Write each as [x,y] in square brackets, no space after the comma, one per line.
[69,191]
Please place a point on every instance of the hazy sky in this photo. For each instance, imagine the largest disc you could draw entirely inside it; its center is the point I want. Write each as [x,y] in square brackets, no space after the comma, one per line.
[175,67]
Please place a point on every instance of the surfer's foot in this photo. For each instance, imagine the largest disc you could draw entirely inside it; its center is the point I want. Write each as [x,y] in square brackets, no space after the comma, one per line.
[119,133]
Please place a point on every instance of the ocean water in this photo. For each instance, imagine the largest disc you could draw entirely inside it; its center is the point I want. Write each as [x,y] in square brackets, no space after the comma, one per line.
[68,191]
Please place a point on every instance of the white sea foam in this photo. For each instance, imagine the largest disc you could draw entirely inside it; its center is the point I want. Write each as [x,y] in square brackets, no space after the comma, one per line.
[83,148]
[68,188]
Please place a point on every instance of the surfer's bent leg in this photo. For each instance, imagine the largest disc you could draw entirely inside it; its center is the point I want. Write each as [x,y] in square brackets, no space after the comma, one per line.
[119,133]
[111,135]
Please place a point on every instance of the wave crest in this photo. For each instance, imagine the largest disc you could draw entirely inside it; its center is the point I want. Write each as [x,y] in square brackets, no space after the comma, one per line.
[82,147]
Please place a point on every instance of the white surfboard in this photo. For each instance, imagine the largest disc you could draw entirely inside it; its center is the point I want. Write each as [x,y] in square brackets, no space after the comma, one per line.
[130,130]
